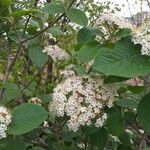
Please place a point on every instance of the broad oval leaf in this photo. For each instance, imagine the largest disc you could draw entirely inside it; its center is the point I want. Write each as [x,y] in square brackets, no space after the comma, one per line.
[26,117]
[124,60]
[143,113]
[127,103]
[115,124]
[99,138]
[55,32]
[86,34]
[125,139]
[11,92]
[123,33]
[21,13]
[14,144]
[53,8]
[37,56]
[88,51]
[77,16]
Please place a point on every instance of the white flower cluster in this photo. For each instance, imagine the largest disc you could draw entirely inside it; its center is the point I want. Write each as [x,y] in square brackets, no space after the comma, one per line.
[108,24]
[141,35]
[5,119]
[55,52]
[112,19]
[82,99]
[35,100]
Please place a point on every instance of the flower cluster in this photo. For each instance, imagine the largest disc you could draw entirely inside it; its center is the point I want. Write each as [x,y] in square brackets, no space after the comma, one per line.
[5,119]
[108,24]
[82,99]
[55,52]
[141,35]
[112,20]
[35,100]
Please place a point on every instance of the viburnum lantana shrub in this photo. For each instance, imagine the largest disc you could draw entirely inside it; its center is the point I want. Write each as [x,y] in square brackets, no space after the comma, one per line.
[67,84]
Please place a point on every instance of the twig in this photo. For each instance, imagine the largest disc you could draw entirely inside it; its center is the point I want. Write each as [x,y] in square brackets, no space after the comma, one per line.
[40,34]
[143,142]
[33,78]
[51,24]
[26,25]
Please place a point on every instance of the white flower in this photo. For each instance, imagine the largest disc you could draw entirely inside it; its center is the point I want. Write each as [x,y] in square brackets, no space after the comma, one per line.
[100,121]
[81,99]
[5,119]
[108,24]
[112,19]
[141,35]
[55,52]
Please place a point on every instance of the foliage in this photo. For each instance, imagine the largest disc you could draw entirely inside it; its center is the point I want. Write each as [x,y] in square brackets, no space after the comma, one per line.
[29,77]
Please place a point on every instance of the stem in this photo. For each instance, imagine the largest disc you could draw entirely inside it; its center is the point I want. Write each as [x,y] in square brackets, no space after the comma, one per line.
[51,24]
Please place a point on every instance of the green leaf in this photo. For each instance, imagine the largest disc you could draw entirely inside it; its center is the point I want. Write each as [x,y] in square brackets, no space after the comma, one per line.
[127,103]
[70,135]
[80,70]
[86,34]
[46,98]
[143,113]
[124,60]
[14,37]
[130,116]
[55,32]
[136,89]
[77,16]
[115,124]
[37,56]
[10,86]
[125,139]
[88,51]
[114,79]
[21,13]
[10,95]
[89,129]
[122,147]
[29,91]
[11,92]
[26,117]
[37,148]
[53,8]
[15,144]
[99,138]
[123,33]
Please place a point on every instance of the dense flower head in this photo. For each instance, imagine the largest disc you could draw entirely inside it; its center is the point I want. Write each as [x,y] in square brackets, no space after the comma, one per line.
[141,35]
[82,99]
[109,23]
[55,52]
[5,119]
[112,19]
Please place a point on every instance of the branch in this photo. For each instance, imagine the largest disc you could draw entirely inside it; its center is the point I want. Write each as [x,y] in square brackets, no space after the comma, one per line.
[10,63]
[26,25]
[51,24]
[142,143]
[33,78]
